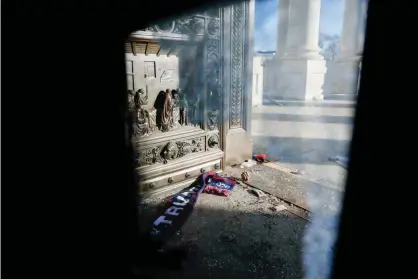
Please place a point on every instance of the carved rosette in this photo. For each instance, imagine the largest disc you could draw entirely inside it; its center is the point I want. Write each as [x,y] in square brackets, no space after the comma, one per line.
[213,141]
[237,41]
[168,151]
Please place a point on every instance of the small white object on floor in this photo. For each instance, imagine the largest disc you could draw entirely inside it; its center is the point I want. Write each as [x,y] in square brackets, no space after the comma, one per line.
[279,208]
[248,164]
[300,172]
[259,193]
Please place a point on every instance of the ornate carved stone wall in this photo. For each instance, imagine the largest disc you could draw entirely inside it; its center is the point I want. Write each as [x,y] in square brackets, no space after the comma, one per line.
[168,151]
[186,147]
[238,49]
[237,59]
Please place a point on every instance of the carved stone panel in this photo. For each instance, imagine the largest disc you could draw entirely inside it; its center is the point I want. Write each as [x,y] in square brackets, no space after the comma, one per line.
[168,151]
[214,82]
[237,70]
[188,25]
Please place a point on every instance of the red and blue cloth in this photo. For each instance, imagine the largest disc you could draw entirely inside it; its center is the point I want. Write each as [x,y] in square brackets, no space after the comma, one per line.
[218,185]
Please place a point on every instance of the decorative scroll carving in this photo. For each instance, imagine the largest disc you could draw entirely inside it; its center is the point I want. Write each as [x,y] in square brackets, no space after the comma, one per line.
[213,77]
[237,58]
[213,141]
[149,156]
[188,147]
[169,151]
[189,25]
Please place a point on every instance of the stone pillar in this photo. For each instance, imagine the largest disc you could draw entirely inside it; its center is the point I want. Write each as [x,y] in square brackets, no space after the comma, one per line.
[350,31]
[342,81]
[237,70]
[301,67]
[303,29]
[282,26]
[362,27]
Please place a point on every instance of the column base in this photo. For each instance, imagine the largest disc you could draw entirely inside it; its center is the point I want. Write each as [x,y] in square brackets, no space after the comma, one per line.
[239,146]
[300,79]
[342,78]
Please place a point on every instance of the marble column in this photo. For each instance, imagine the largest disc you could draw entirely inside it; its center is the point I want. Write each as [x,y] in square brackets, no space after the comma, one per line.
[282,26]
[362,26]
[303,29]
[342,81]
[350,31]
[301,67]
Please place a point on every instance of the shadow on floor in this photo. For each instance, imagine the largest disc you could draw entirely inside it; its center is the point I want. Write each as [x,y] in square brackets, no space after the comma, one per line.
[234,242]
[303,118]
[300,150]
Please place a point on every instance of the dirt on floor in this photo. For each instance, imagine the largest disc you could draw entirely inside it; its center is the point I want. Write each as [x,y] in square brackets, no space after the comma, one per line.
[246,236]
[239,236]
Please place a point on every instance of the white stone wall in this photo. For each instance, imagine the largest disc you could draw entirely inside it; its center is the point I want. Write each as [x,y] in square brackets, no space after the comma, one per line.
[269,75]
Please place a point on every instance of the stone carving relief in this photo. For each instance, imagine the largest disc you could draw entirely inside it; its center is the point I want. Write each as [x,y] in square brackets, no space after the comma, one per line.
[169,151]
[237,42]
[188,25]
[214,27]
[213,141]
[164,116]
[141,123]
[213,77]
[213,119]
[137,98]
[190,107]
[131,100]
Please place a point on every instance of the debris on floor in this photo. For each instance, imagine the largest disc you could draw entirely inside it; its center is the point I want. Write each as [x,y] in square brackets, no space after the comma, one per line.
[260,158]
[236,236]
[340,160]
[248,164]
[274,200]
[245,176]
[278,208]
[259,193]
[299,172]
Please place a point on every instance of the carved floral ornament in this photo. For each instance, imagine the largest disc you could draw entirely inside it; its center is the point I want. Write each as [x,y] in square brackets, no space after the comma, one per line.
[169,151]
[190,25]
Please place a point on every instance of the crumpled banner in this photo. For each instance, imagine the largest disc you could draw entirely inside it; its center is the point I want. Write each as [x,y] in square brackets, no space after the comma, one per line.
[180,206]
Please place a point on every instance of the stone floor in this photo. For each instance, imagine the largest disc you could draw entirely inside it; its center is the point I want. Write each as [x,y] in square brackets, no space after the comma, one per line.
[241,236]
[304,135]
